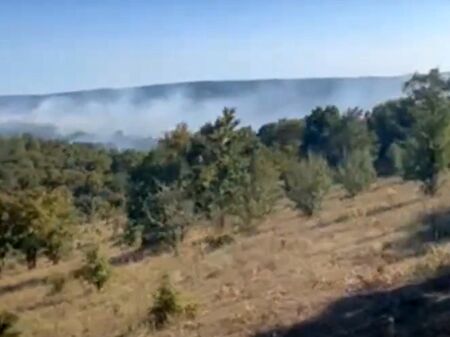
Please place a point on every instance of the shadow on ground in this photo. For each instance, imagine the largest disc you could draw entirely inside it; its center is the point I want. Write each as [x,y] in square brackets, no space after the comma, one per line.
[431,228]
[414,310]
[372,212]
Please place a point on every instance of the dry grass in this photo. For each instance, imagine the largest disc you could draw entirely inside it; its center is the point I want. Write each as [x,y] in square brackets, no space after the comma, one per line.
[287,271]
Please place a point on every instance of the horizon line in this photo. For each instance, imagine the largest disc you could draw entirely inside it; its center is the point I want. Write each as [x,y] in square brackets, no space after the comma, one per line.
[77,91]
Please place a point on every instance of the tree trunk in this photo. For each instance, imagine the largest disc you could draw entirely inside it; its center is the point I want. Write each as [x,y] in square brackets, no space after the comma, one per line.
[222,220]
[31,257]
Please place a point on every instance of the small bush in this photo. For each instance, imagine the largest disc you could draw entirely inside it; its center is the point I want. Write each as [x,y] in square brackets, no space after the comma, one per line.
[8,322]
[435,263]
[96,270]
[307,183]
[190,310]
[216,242]
[166,304]
[357,172]
[57,282]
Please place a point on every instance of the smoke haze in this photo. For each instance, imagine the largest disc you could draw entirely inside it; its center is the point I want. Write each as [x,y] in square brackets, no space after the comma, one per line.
[135,116]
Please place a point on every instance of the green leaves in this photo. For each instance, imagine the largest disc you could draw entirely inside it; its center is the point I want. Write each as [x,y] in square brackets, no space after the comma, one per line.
[8,323]
[35,221]
[427,151]
[96,269]
[357,172]
[307,183]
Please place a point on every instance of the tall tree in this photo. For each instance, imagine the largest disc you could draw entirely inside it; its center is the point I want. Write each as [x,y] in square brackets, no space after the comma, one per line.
[320,126]
[428,150]
[220,160]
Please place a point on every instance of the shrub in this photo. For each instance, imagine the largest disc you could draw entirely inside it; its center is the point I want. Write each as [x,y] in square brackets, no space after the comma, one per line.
[357,172]
[8,322]
[307,183]
[166,304]
[435,263]
[216,242]
[96,270]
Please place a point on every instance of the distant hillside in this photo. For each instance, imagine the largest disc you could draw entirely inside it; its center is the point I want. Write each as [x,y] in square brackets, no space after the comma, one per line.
[147,111]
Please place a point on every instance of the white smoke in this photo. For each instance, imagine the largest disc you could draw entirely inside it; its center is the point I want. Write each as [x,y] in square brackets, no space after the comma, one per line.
[266,102]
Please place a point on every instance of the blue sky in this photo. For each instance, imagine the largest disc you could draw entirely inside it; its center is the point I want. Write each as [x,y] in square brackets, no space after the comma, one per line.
[60,45]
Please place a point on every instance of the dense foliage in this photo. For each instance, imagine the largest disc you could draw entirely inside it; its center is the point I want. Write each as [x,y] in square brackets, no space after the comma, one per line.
[308,182]
[222,174]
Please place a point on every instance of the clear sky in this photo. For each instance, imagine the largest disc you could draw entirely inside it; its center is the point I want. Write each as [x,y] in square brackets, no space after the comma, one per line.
[60,45]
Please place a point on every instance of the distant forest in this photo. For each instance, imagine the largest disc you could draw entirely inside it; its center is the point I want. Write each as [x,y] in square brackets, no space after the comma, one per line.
[221,174]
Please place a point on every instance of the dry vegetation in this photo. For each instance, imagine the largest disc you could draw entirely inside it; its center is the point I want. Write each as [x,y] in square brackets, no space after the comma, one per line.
[287,271]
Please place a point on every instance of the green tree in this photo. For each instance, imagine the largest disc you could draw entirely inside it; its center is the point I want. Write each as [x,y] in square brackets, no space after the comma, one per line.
[60,219]
[428,149]
[157,190]
[285,135]
[392,123]
[357,172]
[320,126]
[262,190]
[39,221]
[220,161]
[7,238]
[351,134]
[307,183]
[169,214]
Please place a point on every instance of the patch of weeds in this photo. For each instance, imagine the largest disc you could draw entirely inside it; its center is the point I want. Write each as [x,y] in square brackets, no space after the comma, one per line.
[435,263]
[217,242]
[190,310]
[8,324]
[57,283]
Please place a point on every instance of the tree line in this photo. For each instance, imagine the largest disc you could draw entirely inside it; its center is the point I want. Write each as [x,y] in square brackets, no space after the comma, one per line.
[222,174]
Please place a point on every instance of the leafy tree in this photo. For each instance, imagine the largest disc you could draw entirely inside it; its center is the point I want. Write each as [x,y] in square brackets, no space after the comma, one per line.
[220,158]
[351,134]
[157,190]
[60,218]
[307,183]
[39,221]
[262,190]
[392,123]
[286,135]
[319,128]
[428,149]
[428,87]
[7,238]
[169,214]
[88,171]
[357,172]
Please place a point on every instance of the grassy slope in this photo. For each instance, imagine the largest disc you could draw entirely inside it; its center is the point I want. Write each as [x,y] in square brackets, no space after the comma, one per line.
[291,270]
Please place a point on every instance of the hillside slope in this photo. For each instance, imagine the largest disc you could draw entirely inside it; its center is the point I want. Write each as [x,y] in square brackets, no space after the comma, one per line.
[343,272]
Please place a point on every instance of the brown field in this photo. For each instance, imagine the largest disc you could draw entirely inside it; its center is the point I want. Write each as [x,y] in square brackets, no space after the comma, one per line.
[326,275]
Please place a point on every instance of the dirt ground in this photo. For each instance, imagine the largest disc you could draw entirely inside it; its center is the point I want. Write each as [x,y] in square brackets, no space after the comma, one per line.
[293,273]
